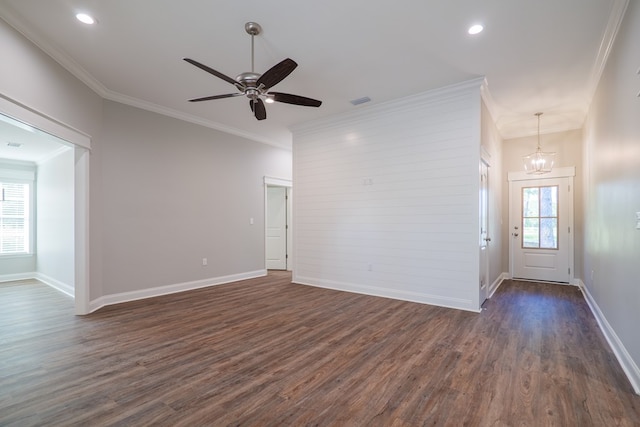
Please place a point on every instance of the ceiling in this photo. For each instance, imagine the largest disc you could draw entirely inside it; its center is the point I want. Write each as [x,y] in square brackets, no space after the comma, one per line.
[19,141]
[536,55]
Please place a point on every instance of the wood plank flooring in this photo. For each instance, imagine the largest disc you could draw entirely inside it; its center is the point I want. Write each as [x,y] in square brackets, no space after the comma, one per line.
[265,352]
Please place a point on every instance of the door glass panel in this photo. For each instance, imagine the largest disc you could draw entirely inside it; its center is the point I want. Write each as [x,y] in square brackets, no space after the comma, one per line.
[530,233]
[540,217]
[530,199]
[549,233]
[549,202]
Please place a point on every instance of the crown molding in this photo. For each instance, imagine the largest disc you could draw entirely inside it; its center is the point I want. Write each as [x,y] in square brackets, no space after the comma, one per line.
[169,112]
[58,55]
[65,60]
[408,103]
[611,31]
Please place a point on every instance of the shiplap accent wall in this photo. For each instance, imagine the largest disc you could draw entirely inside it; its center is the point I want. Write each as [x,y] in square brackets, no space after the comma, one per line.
[387,199]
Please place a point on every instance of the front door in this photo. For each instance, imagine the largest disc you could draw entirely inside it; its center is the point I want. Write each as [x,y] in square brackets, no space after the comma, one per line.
[540,223]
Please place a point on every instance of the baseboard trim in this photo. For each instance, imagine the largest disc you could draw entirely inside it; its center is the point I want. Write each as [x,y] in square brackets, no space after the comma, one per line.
[170,289]
[459,304]
[56,284]
[17,276]
[496,284]
[47,280]
[624,358]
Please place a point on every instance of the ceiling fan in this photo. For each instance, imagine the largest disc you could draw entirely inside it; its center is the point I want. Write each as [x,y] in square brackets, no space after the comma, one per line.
[257,86]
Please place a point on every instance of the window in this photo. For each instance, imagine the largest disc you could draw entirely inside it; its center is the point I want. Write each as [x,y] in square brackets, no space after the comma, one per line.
[540,217]
[15,221]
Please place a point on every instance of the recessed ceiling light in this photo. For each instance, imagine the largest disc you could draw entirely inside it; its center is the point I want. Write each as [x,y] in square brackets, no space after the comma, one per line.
[475,29]
[85,19]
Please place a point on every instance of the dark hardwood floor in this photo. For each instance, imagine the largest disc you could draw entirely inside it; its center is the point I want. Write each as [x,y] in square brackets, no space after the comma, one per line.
[266,352]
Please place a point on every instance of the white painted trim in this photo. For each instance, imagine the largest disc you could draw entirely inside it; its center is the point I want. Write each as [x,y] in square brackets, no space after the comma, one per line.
[58,55]
[49,281]
[566,172]
[624,358]
[171,289]
[489,102]
[21,112]
[278,182]
[17,276]
[82,145]
[559,173]
[18,175]
[81,230]
[496,284]
[94,84]
[169,112]
[66,289]
[457,303]
[613,25]
[410,103]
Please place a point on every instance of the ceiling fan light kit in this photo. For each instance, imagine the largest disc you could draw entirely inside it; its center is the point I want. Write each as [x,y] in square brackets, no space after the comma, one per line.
[257,86]
[540,162]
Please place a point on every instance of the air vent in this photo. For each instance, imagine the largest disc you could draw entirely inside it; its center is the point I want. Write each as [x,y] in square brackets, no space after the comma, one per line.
[359,101]
[14,144]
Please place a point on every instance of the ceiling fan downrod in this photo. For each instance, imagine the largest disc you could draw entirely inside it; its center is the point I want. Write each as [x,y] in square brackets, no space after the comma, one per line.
[253,29]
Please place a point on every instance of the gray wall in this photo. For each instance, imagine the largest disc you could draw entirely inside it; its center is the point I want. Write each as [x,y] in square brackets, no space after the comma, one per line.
[55,219]
[612,189]
[175,193]
[138,160]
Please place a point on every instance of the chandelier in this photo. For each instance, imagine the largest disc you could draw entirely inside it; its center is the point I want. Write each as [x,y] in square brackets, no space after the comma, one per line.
[539,162]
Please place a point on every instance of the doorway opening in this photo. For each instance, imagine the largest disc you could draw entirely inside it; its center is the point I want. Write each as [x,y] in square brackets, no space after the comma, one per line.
[278,230]
[77,146]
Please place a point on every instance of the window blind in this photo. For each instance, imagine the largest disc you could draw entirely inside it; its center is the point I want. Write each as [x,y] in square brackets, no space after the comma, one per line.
[14,218]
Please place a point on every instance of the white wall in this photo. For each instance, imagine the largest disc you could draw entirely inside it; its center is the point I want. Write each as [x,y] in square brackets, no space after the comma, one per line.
[175,193]
[612,196]
[55,221]
[386,199]
[492,143]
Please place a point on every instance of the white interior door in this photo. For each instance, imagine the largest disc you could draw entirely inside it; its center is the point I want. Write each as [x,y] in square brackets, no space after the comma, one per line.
[484,232]
[541,218]
[276,248]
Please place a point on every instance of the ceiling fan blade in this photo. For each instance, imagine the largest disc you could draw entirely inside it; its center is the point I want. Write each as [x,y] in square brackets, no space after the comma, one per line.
[257,106]
[212,71]
[295,99]
[277,73]
[209,98]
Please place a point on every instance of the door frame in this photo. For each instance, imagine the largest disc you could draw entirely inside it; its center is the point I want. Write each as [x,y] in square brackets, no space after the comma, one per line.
[565,172]
[288,184]
[81,144]
[484,237]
